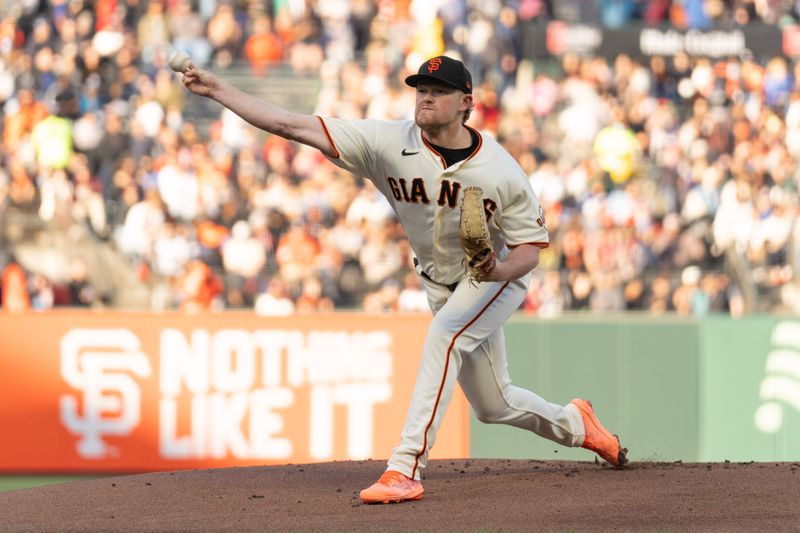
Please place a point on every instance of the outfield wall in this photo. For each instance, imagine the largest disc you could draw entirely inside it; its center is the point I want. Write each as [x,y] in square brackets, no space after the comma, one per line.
[712,389]
[84,391]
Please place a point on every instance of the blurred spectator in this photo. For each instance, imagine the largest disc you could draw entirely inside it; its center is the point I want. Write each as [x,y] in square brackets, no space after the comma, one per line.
[243,258]
[178,186]
[210,239]
[384,300]
[199,287]
[634,293]
[412,296]
[659,300]
[88,206]
[380,257]
[296,255]
[21,115]
[581,290]
[778,83]
[311,297]
[81,291]
[553,297]
[188,32]
[242,254]
[87,132]
[617,149]
[41,294]
[275,300]
[153,30]
[57,193]
[52,139]
[688,298]
[532,300]
[172,250]
[607,294]
[224,34]
[142,225]
[264,47]
[616,13]
[15,287]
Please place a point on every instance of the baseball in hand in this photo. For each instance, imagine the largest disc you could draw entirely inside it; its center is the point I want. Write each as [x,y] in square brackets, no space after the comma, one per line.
[179,62]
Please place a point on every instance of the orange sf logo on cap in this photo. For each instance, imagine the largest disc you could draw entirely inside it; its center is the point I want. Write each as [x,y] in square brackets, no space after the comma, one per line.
[434,63]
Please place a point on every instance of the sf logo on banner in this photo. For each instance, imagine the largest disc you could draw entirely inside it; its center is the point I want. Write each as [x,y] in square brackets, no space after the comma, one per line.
[99,364]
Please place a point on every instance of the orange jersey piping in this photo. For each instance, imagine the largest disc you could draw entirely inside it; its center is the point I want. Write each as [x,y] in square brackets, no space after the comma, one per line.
[432,149]
[328,135]
[480,142]
[441,157]
[537,244]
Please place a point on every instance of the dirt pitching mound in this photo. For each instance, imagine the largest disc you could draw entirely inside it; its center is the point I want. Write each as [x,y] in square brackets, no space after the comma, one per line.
[460,495]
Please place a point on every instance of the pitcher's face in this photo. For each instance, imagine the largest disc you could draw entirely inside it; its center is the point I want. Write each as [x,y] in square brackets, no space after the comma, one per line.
[439,105]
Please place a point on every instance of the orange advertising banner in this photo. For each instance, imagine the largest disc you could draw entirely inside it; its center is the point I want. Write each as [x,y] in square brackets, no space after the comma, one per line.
[84,391]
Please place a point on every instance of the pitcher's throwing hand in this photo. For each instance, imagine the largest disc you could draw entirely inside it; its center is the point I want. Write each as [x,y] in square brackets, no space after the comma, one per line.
[200,81]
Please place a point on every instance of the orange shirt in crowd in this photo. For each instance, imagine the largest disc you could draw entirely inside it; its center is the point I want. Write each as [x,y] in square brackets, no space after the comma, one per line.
[200,287]
[262,50]
[15,288]
[20,124]
[210,234]
[105,13]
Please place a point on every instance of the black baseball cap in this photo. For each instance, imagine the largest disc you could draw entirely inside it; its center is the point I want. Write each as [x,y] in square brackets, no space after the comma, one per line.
[445,69]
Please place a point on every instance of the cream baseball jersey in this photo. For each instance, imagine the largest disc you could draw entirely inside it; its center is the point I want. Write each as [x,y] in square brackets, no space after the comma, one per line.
[426,194]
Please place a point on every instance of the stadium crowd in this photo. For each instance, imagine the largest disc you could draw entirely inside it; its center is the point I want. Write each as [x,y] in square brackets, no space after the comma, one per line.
[653,173]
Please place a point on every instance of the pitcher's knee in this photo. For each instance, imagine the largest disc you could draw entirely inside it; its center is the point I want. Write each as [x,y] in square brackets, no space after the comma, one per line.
[490,414]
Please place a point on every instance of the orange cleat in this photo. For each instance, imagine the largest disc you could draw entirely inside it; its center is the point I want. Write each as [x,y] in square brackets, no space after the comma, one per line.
[393,487]
[598,439]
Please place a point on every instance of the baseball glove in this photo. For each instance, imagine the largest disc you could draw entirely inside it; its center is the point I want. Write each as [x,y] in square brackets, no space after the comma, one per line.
[474,232]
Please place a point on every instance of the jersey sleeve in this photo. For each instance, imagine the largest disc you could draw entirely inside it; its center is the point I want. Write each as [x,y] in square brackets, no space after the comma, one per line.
[523,219]
[354,143]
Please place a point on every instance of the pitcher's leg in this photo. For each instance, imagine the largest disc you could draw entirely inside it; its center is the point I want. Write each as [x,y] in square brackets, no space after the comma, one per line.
[470,315]
[485,381]
[433,391]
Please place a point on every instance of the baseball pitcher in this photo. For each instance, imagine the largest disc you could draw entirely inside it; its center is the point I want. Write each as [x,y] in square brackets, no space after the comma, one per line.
[475,227]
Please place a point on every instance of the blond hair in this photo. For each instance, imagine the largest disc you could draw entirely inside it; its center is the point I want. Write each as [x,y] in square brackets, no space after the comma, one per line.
[468,111]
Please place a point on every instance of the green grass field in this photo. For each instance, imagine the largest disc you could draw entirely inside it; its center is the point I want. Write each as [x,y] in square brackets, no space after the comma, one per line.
[24,482]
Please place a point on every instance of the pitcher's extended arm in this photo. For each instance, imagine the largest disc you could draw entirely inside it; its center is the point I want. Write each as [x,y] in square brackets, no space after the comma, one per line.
[264,115]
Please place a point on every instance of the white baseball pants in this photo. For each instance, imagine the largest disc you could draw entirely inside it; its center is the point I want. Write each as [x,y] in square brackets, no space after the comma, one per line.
[465,341]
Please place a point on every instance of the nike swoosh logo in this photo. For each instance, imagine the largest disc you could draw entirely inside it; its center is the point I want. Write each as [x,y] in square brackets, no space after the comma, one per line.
[408,153]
